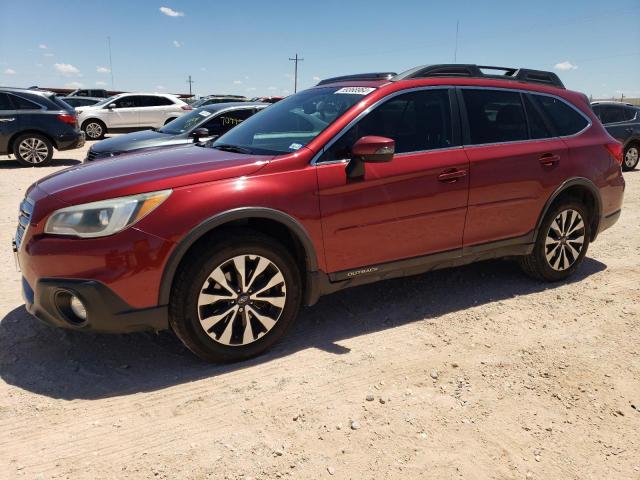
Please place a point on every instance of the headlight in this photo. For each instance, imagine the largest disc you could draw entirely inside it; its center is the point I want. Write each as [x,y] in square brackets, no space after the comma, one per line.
[106,217]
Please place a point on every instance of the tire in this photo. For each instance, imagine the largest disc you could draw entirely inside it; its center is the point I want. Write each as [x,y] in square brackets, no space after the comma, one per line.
[631,156]
[94,129]
[169,120]
[211,319]
[33,150]
[547,262]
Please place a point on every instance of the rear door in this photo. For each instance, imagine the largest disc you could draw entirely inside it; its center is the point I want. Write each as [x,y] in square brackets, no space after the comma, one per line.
[155,110]
[516,161]
[9,121]
[409,207]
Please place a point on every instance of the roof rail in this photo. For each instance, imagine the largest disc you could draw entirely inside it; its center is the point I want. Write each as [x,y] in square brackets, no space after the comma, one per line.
[359,76]
[482,71]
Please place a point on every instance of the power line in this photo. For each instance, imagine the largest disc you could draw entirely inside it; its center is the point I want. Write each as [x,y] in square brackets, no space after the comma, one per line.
[190,82]
[295,72]
[110,62]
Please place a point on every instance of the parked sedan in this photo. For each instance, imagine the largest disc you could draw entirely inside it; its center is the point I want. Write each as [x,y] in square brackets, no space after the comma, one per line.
[200,124]
[80,101]
[622,121]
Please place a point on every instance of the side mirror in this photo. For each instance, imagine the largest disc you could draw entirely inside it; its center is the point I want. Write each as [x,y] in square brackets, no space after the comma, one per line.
[111,106]
[199,133]
[369,149]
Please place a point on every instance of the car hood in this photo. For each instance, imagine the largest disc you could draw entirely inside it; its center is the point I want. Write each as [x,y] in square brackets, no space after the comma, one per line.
[148,171]
[138,140]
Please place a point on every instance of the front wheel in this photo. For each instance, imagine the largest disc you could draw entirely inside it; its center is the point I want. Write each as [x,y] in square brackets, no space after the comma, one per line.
[235,298]
[94,129]
[561,245]
[631,157]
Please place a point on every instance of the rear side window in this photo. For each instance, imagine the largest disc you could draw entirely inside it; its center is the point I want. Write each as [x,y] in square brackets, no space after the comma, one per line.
[565,119]
[630,113]
[495,116]
[537,127]
[161,101]
[5,103]
[24,104]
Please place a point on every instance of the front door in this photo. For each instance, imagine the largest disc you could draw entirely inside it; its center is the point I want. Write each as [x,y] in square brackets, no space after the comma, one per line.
[412,206]
[9,121]
[124,115]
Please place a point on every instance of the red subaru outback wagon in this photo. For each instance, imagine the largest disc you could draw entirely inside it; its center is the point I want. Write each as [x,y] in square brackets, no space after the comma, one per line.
[359,179]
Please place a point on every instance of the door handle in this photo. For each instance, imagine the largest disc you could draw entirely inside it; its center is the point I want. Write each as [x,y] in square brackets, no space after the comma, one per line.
[549,159]
[451,175]
[628,130]
[7,119]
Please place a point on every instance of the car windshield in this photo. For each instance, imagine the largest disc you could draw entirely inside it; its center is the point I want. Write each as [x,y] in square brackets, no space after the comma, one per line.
[104,102]
[292,123]
[185,122]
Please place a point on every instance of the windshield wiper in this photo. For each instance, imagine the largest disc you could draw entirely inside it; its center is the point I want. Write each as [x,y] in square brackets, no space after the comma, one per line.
[232,148]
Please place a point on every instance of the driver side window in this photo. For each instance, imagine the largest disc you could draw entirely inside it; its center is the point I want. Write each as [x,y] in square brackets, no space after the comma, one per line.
[125,102]
[417,121]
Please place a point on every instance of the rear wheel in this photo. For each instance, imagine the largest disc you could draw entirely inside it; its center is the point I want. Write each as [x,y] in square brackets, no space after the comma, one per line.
[631,156]
[235,298]
[561,245]
[33,150]
[94,129]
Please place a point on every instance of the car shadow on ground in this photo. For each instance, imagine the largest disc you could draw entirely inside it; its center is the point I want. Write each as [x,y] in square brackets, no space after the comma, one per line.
[69,365]
[9,163]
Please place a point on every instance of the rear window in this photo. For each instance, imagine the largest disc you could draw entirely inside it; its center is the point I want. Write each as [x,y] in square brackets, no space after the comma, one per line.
[495,116]
[59,102]
[565,119]
[24,104]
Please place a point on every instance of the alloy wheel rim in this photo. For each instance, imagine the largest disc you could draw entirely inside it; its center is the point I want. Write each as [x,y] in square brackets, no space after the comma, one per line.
[565,240]
[631,157]
[33,150]
[241,300]
[94,130]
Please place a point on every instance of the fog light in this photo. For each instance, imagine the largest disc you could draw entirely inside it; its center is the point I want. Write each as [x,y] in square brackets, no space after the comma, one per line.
[77,307]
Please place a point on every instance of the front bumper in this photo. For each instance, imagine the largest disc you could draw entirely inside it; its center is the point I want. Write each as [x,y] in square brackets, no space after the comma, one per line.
[106,311]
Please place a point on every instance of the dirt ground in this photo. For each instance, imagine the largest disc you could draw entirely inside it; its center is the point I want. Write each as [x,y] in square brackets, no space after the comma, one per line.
[476,372]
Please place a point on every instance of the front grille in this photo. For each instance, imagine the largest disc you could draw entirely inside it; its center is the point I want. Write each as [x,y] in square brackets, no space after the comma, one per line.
[91,155]
[24,218]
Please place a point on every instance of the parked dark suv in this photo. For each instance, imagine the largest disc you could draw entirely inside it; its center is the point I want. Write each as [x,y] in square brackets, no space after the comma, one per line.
[359,179]
[622,121]
[33,123]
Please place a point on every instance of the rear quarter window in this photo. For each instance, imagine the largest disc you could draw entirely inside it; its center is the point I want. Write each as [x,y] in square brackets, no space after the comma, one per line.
[565,119]
[24,104]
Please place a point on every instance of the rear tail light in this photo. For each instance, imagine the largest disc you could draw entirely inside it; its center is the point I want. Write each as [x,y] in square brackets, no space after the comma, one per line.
[615,149]
[68,118]
[186,107]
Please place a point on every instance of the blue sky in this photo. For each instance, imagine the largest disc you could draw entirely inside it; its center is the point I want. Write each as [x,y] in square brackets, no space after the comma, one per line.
[243,46]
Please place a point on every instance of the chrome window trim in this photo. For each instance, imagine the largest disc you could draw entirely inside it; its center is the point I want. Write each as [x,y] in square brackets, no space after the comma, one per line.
[365,112]
[314,160]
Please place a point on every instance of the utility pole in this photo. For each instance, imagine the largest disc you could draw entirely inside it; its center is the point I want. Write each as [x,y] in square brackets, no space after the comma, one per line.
[190,82]
[110,62]
[455,52]
[295,71]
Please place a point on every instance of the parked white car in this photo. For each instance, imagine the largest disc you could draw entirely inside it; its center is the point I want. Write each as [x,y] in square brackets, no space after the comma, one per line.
[128,112]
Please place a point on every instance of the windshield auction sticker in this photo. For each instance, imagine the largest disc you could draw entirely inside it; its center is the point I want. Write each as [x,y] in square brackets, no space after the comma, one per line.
[355,90]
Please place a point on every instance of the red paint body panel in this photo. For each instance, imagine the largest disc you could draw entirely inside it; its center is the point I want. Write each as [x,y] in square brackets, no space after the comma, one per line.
[400,209]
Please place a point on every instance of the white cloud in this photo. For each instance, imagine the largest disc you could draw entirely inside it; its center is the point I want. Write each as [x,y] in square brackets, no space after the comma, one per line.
[74,85]
[48,54]
[42,46]
[237,82]
[203,69]
[170,12]
[316,79]
[66,68]
[177,44]
[10,71]
[566,65]
[160,87]
[102,70]
[100,83]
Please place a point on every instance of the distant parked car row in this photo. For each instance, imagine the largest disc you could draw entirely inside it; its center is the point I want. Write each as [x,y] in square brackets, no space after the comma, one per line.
[201,124]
